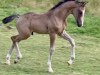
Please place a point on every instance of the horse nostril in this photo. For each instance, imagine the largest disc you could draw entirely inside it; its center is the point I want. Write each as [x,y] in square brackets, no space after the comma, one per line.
[79,24]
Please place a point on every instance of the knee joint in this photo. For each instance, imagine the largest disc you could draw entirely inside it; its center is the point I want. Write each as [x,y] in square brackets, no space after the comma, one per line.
[52,49]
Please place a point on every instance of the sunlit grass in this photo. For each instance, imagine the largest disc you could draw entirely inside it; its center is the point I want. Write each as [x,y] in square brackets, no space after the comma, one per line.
[35,49]
[35,54]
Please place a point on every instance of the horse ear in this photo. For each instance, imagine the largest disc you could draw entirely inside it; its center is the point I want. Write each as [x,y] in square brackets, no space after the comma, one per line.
[76,1]
[85,2]
[81,2]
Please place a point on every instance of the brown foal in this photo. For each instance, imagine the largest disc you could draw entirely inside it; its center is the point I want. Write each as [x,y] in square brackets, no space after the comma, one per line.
[53,23]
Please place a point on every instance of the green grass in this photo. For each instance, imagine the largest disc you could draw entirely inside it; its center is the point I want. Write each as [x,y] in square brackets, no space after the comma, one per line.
[35,49]
[90,28]
[35,54]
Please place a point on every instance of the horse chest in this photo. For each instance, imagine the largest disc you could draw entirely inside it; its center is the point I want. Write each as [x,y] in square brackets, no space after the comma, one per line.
[58,25]
[58,28]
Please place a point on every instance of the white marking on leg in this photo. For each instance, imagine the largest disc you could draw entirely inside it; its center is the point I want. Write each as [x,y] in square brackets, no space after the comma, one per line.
[72,54]
[52,48]
[82,18]
[18,53]
[9,55]
[49,60]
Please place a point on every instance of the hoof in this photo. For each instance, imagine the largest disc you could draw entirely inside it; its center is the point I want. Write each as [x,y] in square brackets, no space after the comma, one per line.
[70,62]
[19,57]
[7,63]
[50,70]
[15,61]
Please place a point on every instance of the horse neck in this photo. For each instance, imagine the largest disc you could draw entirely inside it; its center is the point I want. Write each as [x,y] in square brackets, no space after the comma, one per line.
[63,11]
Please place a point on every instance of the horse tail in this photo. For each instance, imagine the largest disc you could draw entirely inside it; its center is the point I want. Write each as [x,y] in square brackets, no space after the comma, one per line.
[10,18]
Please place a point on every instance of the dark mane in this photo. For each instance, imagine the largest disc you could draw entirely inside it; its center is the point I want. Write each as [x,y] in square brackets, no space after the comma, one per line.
[60,3]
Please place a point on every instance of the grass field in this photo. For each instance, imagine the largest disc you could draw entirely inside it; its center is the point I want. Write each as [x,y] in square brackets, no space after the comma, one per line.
[35,50]
[35,54]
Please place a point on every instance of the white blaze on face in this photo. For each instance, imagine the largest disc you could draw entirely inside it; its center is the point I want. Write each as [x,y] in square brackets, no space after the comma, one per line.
[78,13]
[82,18]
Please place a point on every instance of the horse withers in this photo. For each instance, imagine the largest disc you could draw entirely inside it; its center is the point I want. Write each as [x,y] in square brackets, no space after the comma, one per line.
[52,22]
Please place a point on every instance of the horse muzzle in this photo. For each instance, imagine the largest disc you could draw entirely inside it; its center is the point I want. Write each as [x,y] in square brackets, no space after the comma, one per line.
[79,23]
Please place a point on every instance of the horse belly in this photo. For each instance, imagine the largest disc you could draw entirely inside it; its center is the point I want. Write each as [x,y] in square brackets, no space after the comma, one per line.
[40,29]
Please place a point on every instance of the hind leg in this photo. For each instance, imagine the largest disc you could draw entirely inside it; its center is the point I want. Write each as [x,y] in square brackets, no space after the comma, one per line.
[18,53]
[16,40]
[9,55]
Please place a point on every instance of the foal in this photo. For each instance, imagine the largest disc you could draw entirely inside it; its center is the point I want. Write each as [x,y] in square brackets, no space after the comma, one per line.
[53,23]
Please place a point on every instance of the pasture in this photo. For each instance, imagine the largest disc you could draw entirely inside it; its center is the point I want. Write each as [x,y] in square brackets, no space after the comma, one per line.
[35,54]
[35,50]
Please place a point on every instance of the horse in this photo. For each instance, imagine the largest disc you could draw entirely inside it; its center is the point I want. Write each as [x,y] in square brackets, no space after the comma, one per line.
[52,23]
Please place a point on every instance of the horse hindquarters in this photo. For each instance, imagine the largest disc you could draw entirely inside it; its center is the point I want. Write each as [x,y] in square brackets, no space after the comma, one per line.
[24,33]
